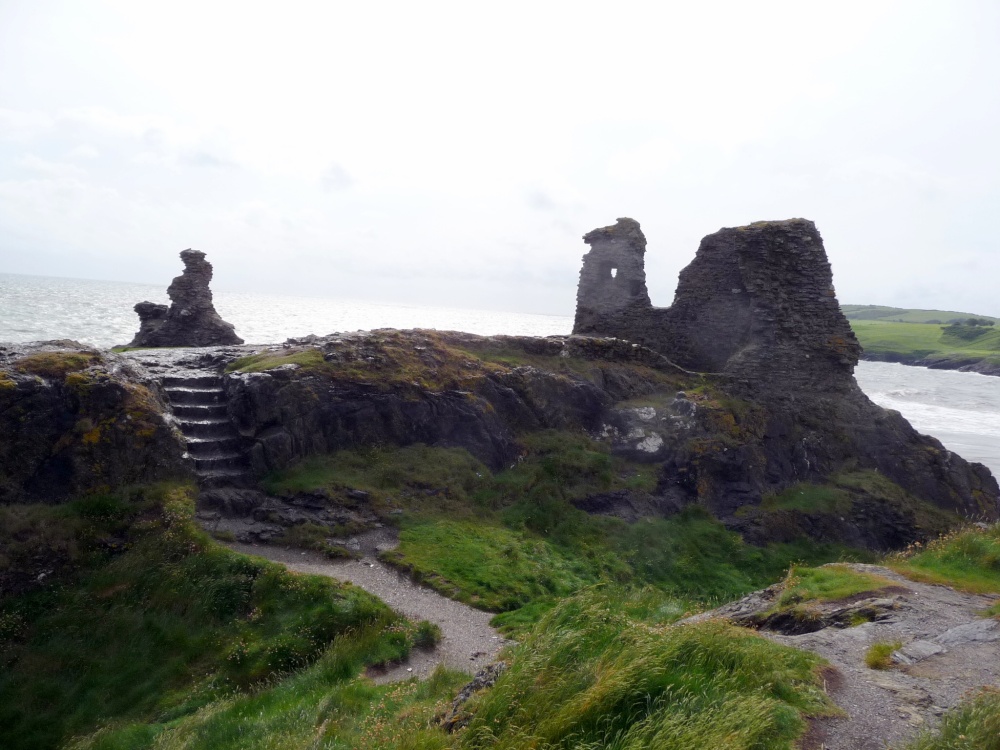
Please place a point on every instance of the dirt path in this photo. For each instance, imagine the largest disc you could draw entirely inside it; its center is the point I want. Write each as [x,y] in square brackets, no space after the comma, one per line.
[469,642]
[948,650]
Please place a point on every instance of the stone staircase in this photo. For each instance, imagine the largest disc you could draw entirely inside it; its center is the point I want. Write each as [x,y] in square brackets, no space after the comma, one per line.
[198,403]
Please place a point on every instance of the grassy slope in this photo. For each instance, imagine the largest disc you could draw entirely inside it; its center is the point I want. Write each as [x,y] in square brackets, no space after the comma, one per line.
[150,620]
[513,541]
[914,341]
[905,315]
[603,669]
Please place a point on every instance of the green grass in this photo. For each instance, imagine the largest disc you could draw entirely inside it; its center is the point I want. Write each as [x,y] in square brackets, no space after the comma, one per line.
[490,567]
[604,669]
[828,583]
[879,654]
[149,619]
[913,341]
[905,315]
[968,559]
[595,675]
[308,359]
[513,540]
[56,364]
[810,498]
[322,707]
[973,725]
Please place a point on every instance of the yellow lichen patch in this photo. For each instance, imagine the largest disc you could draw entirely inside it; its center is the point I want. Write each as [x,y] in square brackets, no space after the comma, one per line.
[92,437]
[141,411]
[56,364]
[6,384]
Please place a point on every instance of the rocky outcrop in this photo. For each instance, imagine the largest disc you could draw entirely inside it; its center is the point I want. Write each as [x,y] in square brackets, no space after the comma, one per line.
[191,319]
[948,650]
[74,420]
[756,309]
[739,394]
[403,387]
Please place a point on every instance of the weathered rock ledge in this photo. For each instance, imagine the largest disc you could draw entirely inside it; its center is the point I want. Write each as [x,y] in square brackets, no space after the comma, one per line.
[948,649]
[740,393]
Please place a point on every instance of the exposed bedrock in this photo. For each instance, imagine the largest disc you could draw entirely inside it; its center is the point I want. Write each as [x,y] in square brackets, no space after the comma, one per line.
[291,412]
[191,319]
[757,308]
[74,420]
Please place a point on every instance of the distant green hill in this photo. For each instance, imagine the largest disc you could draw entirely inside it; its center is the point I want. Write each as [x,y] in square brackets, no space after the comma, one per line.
[905,315]
[926,337]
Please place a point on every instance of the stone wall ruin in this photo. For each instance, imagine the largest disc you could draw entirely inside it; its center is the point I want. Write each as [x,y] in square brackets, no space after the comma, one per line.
[756,303]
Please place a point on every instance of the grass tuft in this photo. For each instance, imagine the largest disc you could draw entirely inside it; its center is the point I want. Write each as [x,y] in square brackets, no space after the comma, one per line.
[968,559]
[828,583]
[879,654]
[593,676]
[972,725]
[56,364]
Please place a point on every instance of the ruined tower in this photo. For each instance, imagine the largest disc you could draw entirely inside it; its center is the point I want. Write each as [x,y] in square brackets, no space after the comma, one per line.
[757,303]
[612,298]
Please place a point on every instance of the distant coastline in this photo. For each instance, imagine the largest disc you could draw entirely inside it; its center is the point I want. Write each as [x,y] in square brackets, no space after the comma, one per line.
[943,362]
[937,339]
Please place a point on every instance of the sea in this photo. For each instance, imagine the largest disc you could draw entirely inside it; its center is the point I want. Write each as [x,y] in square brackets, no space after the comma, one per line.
[961,409]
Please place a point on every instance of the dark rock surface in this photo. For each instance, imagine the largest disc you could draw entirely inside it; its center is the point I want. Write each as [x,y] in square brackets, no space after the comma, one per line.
[290,412]
[742,390]
[75,420]
[757,308]
[191,319]
[757,303]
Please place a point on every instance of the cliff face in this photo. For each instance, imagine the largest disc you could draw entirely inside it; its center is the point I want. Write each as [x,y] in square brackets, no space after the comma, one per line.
[73,421]
[741,395]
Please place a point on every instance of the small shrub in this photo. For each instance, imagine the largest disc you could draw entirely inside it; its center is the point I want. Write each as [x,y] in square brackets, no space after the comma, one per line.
[967,559]
[427,635]
[879,654]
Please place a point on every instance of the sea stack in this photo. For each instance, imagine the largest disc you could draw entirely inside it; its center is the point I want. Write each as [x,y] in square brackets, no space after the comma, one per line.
[191,319]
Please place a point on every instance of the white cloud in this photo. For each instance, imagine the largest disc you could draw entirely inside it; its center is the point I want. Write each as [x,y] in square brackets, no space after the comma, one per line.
[652,158]
[336,178]
[46,167]
[468,147]
[84,151]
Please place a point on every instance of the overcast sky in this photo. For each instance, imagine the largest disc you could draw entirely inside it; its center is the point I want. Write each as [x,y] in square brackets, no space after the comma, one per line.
[454,153]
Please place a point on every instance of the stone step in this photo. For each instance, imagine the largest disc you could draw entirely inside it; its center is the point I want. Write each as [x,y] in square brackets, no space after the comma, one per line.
[211,447]
[231,460]
[194,381]
[210,480]
[206,428]
[200,412]
[180,396]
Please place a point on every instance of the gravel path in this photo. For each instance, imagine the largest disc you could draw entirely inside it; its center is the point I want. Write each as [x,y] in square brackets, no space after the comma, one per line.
[948,650]
[469,642]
